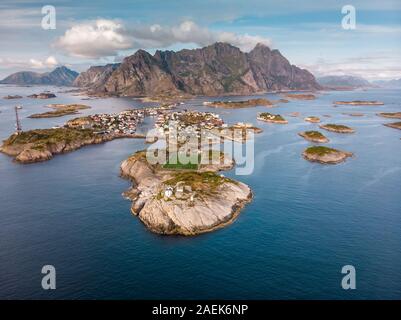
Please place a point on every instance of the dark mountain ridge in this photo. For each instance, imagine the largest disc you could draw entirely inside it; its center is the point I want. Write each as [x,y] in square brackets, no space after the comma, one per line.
[61,76]
[213,70]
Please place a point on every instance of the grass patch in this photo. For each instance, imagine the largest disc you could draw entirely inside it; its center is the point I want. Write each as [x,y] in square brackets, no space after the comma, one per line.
[320,150]
[337,126]
[242,104]
[314,134]
[201,182]
[60,110]
[42,137]
[180,166]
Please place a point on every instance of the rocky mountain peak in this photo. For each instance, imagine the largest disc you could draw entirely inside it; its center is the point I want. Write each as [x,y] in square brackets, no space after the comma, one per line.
[220,68]
[60,76]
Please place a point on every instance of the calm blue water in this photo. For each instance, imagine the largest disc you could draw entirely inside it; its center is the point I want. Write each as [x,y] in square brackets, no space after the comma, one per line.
[305,222]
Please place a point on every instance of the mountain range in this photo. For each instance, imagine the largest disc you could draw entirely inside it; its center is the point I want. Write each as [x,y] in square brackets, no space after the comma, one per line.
[342,82]
[394,83]
[213,70]
[61,76]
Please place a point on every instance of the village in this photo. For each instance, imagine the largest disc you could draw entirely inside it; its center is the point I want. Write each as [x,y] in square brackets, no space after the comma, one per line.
[195,119]
[122,123]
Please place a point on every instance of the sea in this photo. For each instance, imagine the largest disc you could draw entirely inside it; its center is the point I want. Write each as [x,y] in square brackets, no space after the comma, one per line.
[306,221]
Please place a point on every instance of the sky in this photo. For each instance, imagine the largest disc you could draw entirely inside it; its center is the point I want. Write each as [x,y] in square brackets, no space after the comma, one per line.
[308,33]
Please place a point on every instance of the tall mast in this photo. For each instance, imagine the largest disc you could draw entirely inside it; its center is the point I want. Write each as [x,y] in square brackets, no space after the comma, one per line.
[17,121]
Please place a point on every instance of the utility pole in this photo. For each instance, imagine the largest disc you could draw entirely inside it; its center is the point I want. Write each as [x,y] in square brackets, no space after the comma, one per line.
[17,121]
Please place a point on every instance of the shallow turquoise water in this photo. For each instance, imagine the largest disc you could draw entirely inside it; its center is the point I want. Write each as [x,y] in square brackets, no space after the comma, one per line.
[305,222]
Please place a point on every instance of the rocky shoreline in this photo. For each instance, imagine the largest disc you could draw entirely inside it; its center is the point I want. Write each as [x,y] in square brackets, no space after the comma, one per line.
[200,201]
[394,125]
[239,104]
[60,110]
[272,118]
[391,115]
[314,136]
[325,155]
[359,103]
[339,128]
[11,97]
[300,96]
[43,95]
[312,119]
[42,144]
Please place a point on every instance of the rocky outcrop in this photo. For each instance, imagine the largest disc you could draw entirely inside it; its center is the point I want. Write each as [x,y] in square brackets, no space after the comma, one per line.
[272,118]
[301,96]
[239,104]
[60,110]
[41,144]
[213,202]
[392,115]
[10,97]
[359,103]
[339,128]
[31,152]
[325,155]
[273,72]
[314,136]
[394,125]
[312,119]
[43,95]
[95,76]
[213,70]
[61,76]
[204,214]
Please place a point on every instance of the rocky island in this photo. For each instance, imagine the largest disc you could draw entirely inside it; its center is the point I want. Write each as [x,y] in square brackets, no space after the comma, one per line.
[353,114]
[314,136]
[10,97]
[392,115]
[339,128]
[395,125]
[239,104]
[239,132]
[359,103]
[183,202]
[41,144]
[60,110]
[273,118]
[312,119]
[325,155]
[300,96]
[43,95]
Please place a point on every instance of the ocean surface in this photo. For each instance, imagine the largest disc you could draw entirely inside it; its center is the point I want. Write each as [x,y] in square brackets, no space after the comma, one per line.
[305,223]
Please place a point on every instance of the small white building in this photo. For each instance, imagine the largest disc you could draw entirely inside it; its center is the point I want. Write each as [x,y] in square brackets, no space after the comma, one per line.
[168,192]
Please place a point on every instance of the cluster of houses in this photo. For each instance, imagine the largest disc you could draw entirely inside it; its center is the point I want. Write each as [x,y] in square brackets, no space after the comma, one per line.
[195,119]
[179,191]
[155,111]
[121,123]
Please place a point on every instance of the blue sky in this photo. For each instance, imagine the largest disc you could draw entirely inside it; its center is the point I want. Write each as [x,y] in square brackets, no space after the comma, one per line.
[308,33]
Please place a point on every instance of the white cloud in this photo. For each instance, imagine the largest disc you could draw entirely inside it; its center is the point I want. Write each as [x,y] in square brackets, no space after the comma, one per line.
[49,62]
[189,32]
[95,39]
[368,67]
[103,38]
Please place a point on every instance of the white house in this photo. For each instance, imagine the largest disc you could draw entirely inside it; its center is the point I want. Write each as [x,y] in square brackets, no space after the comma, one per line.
[168,192]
